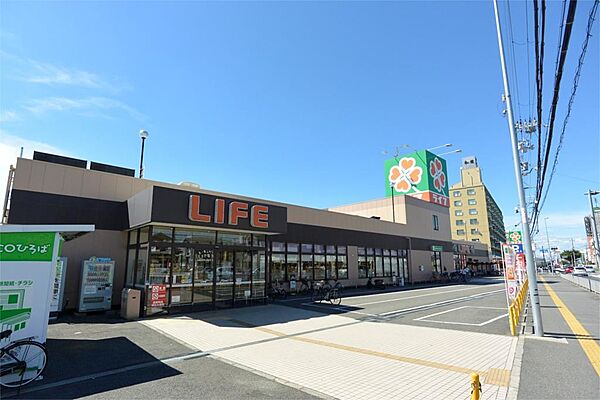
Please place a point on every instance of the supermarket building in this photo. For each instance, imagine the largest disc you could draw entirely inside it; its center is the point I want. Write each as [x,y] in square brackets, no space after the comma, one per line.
[209,249]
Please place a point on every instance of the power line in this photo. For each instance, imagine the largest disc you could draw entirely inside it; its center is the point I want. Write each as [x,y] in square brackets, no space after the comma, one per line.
[557,80]
[584,47]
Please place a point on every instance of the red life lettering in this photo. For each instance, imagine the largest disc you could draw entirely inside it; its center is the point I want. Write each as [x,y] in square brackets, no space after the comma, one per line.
[219,211]
[260,216]
[237,210]
[194,210]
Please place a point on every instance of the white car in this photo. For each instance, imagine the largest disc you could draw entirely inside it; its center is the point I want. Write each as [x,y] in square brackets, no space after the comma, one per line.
[580,271]
[589,269]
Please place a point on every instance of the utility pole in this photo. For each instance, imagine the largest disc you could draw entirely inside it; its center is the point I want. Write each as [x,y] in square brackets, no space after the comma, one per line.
[573,252]
[591,193]
[530,259]
[393,204]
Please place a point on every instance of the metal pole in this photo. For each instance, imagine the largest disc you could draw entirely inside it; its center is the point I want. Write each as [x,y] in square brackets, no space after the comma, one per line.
[573,252]
[142,159]
[594,229]
[393,206]
[531,269]
[548,240]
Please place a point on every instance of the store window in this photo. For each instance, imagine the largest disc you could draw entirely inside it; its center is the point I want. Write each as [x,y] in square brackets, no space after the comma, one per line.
[378,263]
[472,211]
[141,264]
[458,203]
[331,264]
[131,253]
[436,223]
[319,249]
[306,271]
[363,268]
[133,237]
[258,274]
[277,246]
[234,239]
[195,236]
[472,202]
[319,266]
[162,234]
[471,192]
[258,240]
[277,267]
[342,266]
[292,266]
[292,247]
[460,222]
[144,234]
[460,231]
[458,213]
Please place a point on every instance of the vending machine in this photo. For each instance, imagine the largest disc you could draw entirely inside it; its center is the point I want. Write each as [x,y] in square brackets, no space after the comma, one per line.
[96,284]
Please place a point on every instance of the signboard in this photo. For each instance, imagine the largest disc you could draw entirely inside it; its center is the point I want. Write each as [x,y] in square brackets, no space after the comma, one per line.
[510,274]
[158,295]
[27,264]
[437,248]
[517,247]
[56,301]
[96,284]
[514,237]
[421,174]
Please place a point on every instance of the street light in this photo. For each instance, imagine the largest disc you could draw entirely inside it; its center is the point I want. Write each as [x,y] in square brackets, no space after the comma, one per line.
[439,147]
[143,135]
[451,152]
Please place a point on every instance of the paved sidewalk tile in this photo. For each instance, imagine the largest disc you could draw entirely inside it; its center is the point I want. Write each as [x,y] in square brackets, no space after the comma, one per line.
[349,359]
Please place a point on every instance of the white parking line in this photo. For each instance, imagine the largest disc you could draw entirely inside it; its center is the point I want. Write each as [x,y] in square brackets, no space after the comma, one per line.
[414,297]
[426,318]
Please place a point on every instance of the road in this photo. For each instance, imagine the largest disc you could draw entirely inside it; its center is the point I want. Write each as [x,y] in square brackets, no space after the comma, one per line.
[479,306]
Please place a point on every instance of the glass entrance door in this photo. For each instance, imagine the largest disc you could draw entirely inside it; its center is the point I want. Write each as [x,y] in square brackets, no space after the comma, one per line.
[224,275]
[243,275]
[203,276]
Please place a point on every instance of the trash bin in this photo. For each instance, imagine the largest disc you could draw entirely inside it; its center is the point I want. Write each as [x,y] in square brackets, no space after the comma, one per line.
[130,303]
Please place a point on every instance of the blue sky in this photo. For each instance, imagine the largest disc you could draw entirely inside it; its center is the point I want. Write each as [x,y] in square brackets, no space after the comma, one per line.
[286,101]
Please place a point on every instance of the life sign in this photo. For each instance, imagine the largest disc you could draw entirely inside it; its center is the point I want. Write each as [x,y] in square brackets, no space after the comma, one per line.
[517,247]
[182,207]
[231,214]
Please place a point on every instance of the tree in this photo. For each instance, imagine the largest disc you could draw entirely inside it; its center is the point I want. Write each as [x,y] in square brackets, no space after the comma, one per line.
[567,256]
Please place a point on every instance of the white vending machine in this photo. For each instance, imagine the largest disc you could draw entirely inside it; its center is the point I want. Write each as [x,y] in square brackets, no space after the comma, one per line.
[96,284]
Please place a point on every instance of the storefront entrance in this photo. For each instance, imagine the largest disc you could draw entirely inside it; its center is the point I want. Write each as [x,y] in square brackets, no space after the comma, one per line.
[197,271]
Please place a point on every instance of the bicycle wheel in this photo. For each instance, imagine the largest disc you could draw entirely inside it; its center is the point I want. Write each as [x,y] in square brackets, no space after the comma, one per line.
[334,298]
[22,363]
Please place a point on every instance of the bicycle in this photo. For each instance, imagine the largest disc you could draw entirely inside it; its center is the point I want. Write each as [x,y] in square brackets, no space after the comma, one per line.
[277,291]
[324,291]
[21,362]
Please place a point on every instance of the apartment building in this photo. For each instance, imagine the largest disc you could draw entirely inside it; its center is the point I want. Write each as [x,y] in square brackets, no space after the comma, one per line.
[474,214]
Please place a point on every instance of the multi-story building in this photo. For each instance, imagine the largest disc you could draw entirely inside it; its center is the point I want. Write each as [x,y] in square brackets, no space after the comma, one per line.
[474,214]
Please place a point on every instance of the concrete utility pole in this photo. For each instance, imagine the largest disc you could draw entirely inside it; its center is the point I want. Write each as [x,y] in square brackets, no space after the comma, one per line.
[530,259]
[591,193]
[573,251]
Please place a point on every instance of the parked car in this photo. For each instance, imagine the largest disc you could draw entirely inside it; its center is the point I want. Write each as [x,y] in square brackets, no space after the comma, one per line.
[568,270]
[580,271]
[559,270]
[589,269]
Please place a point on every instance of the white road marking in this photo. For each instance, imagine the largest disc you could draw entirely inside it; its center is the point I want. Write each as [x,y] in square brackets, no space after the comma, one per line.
[426,318]
[474,296]
[414,297]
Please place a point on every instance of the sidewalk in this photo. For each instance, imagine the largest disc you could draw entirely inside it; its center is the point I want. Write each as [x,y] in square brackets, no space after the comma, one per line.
[559,366]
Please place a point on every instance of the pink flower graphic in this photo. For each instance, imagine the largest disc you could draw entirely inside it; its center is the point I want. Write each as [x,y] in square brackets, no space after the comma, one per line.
[438,175]
[405,175]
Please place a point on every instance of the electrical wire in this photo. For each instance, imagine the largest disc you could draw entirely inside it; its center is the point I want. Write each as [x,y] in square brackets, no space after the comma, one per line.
[564,47]
[584,47]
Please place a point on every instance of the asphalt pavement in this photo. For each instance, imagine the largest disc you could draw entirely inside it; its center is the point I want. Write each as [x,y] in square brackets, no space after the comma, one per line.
[556,366]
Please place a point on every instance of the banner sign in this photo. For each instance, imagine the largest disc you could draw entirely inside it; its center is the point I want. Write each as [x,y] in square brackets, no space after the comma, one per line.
[421,174]
[511,282]
[158,295]
[56,301]
[514,237]
[517,247]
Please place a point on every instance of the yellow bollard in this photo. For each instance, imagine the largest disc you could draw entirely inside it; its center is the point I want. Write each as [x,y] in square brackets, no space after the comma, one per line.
[475,386]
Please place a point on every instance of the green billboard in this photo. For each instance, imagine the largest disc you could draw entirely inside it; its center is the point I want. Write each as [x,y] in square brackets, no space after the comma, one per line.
[421,174]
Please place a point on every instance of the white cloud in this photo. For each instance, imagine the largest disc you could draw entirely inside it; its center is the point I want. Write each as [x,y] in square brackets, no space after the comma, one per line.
[10,147]
[88,106]
[8,116]
[38,72]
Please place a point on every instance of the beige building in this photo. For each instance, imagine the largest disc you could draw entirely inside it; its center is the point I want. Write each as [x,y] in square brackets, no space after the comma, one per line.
[201,249]
[474,214]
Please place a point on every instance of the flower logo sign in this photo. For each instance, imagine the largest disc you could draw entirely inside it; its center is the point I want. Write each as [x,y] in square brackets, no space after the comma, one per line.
[515,237]
[437,175]
[405,175]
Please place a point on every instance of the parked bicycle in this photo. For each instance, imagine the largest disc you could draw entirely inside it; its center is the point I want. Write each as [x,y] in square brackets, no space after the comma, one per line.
[277,291]
[21,362]
[305,286]
[324,291]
